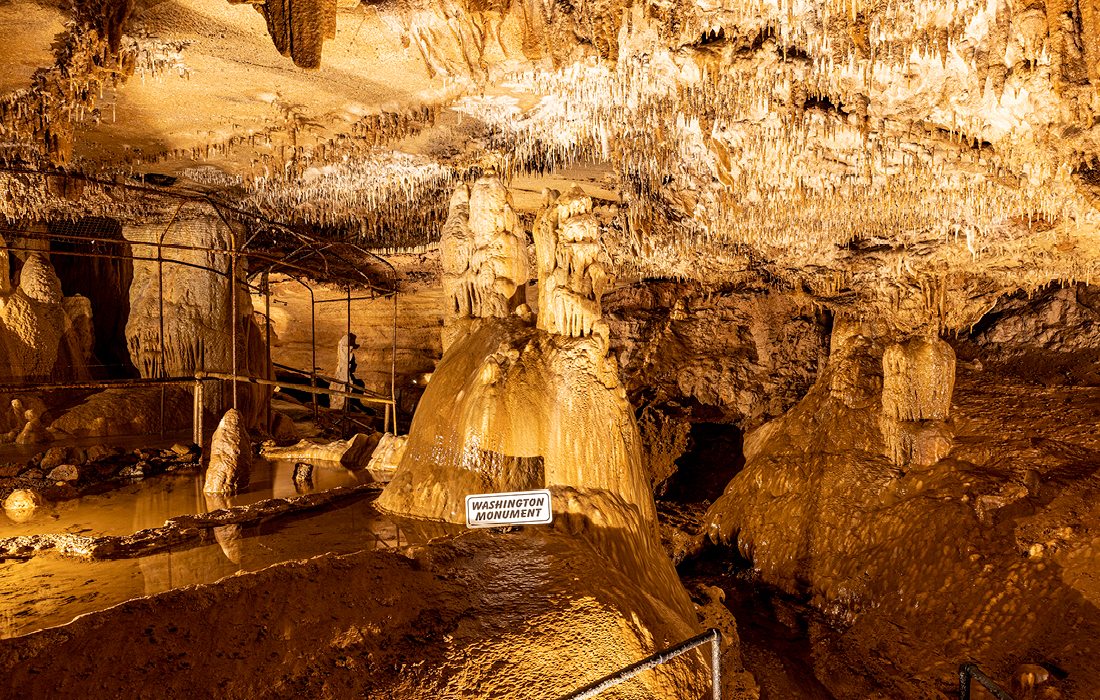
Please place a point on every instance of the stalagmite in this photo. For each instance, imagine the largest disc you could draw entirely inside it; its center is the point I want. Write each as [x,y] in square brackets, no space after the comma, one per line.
[230,465]
[345,370]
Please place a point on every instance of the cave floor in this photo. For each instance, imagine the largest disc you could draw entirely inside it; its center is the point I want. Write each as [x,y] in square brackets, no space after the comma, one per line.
[63,588]
[793,649]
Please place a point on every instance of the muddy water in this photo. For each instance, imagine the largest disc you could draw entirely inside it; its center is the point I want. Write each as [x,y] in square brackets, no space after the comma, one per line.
[48,590]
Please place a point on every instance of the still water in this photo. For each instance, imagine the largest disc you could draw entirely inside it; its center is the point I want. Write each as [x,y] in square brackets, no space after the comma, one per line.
[48,590]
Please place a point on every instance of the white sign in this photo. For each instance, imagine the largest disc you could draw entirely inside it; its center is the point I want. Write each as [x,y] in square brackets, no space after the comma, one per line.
[515,508]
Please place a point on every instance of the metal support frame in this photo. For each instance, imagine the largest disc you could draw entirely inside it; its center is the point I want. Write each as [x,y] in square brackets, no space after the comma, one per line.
[196,382]
[267,261]
[711,636]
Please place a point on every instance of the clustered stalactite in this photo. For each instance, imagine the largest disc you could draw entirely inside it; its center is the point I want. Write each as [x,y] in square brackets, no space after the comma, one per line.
[572,270]
[835,141]
[484,252]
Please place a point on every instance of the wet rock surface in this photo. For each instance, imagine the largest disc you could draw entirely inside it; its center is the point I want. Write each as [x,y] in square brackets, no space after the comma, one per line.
[65,473]
[739,357]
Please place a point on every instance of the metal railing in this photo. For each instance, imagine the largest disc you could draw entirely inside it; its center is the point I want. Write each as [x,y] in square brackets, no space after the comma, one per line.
[970,670]
[711,636]
[196,382]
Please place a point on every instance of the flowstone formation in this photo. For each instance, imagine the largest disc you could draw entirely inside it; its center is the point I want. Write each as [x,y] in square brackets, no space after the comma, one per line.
[484,253]
[873,498]
[512,407]
[181,309]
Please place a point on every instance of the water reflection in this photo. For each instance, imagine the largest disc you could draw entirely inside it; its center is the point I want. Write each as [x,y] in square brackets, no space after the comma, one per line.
[150,502]
[46,591]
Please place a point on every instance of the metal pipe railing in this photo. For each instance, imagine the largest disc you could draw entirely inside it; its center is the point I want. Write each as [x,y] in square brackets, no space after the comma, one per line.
[711,636]
[970,670]
[196,381]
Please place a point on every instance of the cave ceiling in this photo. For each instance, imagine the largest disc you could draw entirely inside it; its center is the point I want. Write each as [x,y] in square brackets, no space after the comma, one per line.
[911,160]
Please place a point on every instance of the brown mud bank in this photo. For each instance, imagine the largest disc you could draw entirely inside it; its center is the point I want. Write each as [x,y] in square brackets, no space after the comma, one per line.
[488,614]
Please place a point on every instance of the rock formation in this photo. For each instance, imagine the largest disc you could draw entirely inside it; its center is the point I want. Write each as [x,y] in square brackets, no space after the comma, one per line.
[513,407]
[230,465]
[387,456]
[120,411]
[484,254]
[862,499]
[572,271]
[299,29]
[42,333]
[528,401]
[190,291]
[352,453]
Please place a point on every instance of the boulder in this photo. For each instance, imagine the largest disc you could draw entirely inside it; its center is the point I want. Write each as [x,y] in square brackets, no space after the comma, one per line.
[21,504]
[64,472]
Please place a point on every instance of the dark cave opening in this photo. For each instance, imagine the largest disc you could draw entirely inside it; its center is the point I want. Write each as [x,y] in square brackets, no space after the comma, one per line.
[715,455]
[105,281]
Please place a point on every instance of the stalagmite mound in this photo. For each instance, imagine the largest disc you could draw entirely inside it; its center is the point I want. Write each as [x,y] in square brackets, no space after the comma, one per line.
[230,464]
[42,333]
[872,498]
[512,406]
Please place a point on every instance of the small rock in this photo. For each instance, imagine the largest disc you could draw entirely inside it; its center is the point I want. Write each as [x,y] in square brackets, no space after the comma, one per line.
[183,450]
[64,472]
[98,452]
[282,427]
[32,474]
[54,457]
[133,471]
[10,469]
[303,474]
[22,500]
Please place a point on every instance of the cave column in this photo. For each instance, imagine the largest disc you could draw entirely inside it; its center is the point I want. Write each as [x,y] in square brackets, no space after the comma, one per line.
[918,380]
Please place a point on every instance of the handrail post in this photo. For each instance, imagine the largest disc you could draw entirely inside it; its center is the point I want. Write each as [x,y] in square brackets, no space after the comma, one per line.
[969,670]
[716,665]
[713,636]
[197,416]
[964,682]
